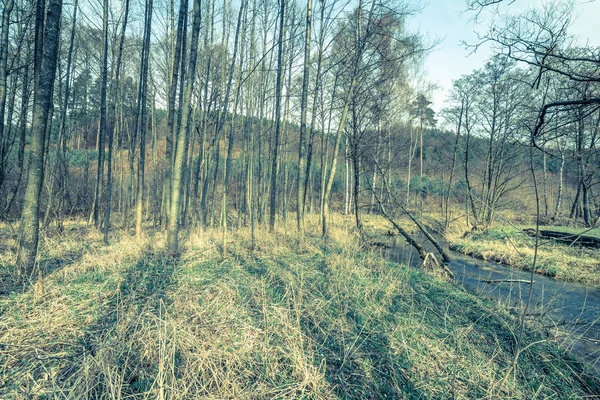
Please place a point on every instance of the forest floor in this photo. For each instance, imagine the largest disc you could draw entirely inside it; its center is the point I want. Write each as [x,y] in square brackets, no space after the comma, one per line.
[509,245]
[290,319]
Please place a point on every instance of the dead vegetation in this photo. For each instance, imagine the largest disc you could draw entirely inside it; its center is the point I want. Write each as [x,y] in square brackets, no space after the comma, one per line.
[289,320]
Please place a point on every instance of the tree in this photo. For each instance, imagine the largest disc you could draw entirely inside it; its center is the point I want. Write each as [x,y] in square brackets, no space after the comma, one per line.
[113,131]
[182,139]
[44,85]
[102,126]
[143,122]
[278,85]
[303,111]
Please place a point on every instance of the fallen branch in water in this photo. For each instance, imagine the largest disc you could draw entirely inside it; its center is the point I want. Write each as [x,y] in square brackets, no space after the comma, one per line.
[526,281]
[431,258]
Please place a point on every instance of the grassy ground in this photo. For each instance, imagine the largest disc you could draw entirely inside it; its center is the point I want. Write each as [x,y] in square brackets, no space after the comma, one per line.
[288,320]
[509,245]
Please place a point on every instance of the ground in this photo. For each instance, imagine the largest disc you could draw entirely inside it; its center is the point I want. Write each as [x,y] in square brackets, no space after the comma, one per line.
[290,319]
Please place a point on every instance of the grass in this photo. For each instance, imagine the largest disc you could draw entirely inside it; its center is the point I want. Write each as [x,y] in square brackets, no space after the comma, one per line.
[288,320]
[509,245]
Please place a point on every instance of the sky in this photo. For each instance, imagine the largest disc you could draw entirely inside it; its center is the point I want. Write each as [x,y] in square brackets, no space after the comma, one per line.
[448,21]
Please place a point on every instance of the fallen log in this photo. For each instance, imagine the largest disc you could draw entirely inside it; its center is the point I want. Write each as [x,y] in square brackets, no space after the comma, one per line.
[526,281]
[568,238]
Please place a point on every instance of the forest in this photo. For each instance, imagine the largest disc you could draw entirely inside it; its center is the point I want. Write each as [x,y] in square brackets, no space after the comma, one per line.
[257,199]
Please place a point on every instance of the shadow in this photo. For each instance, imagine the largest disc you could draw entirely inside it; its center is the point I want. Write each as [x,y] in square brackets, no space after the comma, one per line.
[10,284]
[359,363]
[142,293]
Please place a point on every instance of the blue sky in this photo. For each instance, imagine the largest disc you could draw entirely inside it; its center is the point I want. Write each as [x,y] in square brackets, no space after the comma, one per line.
[448,21]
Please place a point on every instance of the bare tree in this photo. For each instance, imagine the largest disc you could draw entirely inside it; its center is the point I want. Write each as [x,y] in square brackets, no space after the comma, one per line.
[46,71]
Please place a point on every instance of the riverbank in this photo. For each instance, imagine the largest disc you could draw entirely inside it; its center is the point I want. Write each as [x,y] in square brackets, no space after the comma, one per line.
[510,246]
[287,320]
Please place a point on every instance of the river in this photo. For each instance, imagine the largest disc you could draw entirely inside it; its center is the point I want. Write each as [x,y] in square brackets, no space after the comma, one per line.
[569,312]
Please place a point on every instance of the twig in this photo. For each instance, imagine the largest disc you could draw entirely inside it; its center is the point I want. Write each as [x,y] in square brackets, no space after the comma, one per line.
[526,281]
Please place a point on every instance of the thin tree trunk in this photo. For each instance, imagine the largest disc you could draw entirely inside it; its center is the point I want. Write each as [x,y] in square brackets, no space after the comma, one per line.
[142,103]
[560,182]
[279,83]
[303,109]
[173,228]
[545,182]
[227,167]
[22,129]
[113,131]
[60,174]
[176,61]
[102,128]
[8,7]
[454,154]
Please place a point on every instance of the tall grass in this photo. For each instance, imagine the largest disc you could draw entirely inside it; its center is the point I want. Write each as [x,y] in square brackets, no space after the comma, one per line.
[291,319]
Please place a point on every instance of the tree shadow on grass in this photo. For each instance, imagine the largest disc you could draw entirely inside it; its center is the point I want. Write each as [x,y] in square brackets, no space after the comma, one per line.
[359,362]
[11,284]
[113,345]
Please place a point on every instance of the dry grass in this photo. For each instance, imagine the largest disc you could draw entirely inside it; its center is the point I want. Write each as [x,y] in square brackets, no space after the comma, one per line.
[288,320]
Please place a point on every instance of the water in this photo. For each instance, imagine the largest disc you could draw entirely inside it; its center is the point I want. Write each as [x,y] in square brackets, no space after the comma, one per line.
[569,312]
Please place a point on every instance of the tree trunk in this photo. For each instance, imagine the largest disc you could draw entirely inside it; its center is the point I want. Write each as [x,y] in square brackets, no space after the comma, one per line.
[142,104]
[454,154]
[113,131]
[102,127]
[173,228]
[560,182]
[28,240]
[279,83]
[176,61]
[227,167]
[303,109]
[8,7]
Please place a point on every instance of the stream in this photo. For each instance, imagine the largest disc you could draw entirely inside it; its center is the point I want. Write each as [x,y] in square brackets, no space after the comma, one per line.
[569,311]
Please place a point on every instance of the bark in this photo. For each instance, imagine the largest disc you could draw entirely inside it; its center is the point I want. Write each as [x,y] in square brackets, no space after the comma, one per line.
[142,104]
[28,238]
[8,7]
[303,109]
[113,131]
[176,61]
[279,83]
[178,171]
[102,128]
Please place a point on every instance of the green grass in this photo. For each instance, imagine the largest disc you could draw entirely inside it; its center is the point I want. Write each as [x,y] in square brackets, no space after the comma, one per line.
[289,320]
[509,245]
[594,232]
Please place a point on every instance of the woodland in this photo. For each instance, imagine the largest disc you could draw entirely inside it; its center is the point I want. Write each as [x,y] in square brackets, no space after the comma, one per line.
[153,153]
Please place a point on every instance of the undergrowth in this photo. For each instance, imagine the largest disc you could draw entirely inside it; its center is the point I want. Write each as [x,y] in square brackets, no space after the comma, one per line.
[291,319]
